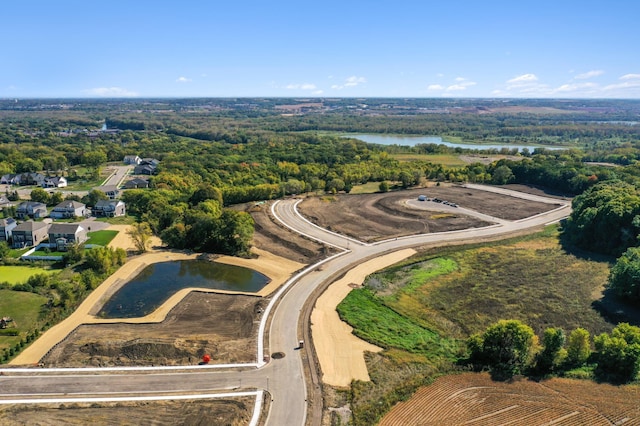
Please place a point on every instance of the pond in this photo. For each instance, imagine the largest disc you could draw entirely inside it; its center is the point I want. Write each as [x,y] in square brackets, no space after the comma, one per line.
[415,140]
[158,282]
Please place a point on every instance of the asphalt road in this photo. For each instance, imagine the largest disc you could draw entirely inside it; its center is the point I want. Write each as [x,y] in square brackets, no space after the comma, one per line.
[284,377]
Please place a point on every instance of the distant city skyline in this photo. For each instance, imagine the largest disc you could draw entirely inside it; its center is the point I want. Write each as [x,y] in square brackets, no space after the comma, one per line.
[352,48]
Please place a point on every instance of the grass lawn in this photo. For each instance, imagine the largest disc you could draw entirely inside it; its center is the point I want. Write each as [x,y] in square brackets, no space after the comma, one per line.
[121,220]
[24,309]
[20,274]
[101,238]
[367,188]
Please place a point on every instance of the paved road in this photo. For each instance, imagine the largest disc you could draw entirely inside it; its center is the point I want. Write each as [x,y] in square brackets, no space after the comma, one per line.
[283,377]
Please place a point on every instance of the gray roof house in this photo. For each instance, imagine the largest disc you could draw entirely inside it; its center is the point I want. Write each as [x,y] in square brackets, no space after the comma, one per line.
[54,182]
[29,234]
[6,227]
[110,191]
[131,159]
[144,169]
[5,202]
[66,234]
[32,209]
[136,183]
[109,208]
[68,209]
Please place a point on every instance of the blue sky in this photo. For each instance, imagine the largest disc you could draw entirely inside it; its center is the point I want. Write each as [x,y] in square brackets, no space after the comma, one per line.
[348,48]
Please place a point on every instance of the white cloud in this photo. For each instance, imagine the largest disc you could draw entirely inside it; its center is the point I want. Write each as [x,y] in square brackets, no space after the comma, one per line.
[435,87]
[183,80]
[462,84]
[350,82]
[632,84]
[630,77]
[575,87]
[317,92]
[303,86]
[524,78]
[110,92]
[589,74]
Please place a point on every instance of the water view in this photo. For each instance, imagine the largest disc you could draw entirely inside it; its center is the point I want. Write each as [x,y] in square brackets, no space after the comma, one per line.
[158,282]
[416,140]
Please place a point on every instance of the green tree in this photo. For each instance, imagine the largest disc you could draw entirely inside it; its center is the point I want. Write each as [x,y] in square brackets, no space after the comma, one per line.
[505,347]
[55,198]
[141,234]
[93,197]
[94,158]
[618,354]
[4,250]
[502,175]
[578,347]
[384,186]
[624,279]
[552,353]
[40,195]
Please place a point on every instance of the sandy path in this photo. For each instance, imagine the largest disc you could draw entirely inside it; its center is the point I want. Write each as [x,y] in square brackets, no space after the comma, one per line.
[276,268]
[340,353]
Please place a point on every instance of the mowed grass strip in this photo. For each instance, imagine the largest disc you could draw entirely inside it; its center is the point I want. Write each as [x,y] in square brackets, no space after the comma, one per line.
[101,238]
[20,274]
[24,309]
[380,325]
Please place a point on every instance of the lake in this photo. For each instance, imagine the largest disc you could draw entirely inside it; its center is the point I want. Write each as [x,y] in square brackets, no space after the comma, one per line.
[415,140]
[158,282]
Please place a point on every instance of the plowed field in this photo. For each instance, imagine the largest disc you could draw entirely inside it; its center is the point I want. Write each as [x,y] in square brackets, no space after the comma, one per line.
[473,398]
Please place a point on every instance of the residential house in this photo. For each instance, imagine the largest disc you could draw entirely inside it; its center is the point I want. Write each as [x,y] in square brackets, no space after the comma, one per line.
[29,234]
[6,227]
[109,208]
[144,169]
[54,182]
[136,183]
[68,209]
[32,209]
[131,159]
[110,191]
[5,202]
[23,179]
[66,234]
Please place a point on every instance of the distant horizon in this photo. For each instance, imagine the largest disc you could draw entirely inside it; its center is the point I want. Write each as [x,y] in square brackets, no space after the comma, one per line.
[80,98]
[548,49]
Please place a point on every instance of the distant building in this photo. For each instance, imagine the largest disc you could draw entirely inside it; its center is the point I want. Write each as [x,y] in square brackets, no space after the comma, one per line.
[136,183]
[66,234]
[68,209]
[6,228]
[109,208]
[54,182]
[29,234]
[110,191]
[31,209]
[132,159]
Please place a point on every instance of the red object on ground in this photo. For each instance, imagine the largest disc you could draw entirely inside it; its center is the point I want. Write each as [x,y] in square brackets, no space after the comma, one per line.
[206,359]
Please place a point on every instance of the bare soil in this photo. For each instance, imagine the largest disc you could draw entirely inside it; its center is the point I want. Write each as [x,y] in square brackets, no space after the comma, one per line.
[374,217]
[232,412]
[475,398]
[223,326]
[275,238]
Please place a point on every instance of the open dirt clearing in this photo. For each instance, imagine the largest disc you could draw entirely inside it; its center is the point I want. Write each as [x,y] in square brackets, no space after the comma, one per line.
[473,398]
[374,217]
[232,412]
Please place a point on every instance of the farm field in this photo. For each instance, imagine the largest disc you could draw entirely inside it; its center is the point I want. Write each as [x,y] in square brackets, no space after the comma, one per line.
[473,398]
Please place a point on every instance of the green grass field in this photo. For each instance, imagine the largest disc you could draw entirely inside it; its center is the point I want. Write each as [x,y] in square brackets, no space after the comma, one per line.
[24,309]
[20,274]
[101,238]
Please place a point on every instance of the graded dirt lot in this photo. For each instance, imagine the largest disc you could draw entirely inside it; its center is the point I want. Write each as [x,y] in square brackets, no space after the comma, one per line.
[473,398]
[223,326]
[374,217]
[232,412]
